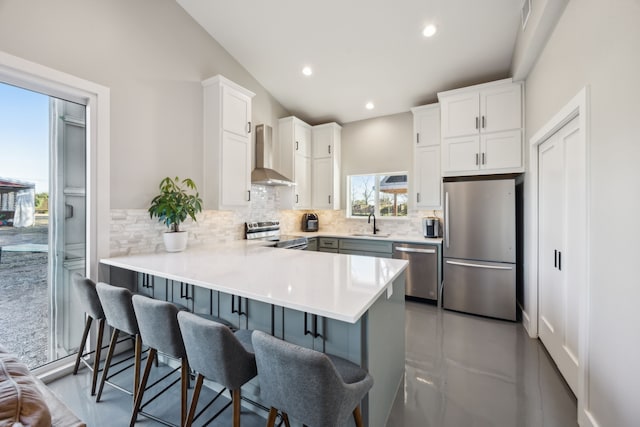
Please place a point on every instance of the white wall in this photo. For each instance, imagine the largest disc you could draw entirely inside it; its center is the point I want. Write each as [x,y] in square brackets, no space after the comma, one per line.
[152,56]
[597,44]
[383,144]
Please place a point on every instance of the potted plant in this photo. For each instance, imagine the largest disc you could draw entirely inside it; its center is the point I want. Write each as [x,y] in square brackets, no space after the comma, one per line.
[172,207]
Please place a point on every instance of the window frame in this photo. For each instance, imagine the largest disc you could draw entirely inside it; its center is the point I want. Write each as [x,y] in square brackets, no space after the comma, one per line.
[376,197]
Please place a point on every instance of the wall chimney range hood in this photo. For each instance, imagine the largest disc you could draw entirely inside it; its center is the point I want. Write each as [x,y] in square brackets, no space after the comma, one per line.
[263,174]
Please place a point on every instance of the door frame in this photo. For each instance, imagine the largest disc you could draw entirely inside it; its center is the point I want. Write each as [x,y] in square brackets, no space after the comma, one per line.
[30,75]
[578,107]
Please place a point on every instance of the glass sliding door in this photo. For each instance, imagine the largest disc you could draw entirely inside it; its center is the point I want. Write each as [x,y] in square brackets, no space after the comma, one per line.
[68,227]
[43,224]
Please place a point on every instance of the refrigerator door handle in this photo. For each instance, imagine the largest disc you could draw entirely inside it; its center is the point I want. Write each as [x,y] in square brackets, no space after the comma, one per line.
[490,267]
[446,217]
[415,250]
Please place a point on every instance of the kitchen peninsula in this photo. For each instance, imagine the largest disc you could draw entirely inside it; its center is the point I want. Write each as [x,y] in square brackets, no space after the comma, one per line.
[350,306]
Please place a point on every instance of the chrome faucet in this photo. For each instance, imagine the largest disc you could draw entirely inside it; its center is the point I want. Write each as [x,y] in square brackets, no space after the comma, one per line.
[374,222]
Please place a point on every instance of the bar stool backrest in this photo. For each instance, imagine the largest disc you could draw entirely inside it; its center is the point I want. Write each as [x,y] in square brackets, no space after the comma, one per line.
[215,352]
[300,382]
[158,323]
[88,296]
[117,305]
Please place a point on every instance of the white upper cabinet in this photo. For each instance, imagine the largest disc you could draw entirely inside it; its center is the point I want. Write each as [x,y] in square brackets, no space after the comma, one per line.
[295,162]
[325,176]
[482,129]
[426,183]
[227,144]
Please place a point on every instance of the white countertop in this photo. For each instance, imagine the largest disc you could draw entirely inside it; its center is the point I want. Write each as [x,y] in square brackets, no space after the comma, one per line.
[383,237]
[337,286]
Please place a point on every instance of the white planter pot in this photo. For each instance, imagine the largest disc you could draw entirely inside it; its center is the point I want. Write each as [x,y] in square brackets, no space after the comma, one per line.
[175,241]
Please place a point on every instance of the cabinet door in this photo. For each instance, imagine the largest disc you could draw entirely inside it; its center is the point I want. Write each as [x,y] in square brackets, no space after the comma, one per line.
[501,108]
[322,183]
[302,198]
[228,308]
[502,150]
[426,126]
[294,332]
[236,112]
[428,179]
[460,114]
[235,170]
[302,139]
[460,154]
[322,142]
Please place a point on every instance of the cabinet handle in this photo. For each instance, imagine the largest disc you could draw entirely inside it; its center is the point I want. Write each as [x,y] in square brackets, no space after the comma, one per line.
[184,291]
[483,159]
[249,199]
[483,126]
[329,148]
[555,258]
[476,159]
[249,127]
[296,198]
[559,260]
[296,145]
[314,326]
[418,138]
[417,197]
[476,122]
[329,198]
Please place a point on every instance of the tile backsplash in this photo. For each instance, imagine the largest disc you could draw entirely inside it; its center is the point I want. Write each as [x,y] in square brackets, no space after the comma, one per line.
[132,231]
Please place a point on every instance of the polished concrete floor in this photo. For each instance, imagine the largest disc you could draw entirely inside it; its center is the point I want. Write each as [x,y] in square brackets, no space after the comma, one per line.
[461,371]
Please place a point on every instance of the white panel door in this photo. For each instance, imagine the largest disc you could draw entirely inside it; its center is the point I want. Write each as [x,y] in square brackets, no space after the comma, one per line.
[460,114]
[235,174]
[236,112]
[426,126]
[502,150]
[561,249]
[322,142]
[302,137]
[428,178]
[302,192]
[501,108]
[322,184]
[461,154]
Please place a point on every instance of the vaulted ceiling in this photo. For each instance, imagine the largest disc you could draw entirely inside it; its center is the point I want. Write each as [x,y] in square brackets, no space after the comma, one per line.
[363,51]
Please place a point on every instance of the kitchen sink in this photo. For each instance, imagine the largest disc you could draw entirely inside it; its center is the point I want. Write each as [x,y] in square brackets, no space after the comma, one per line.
[370,235]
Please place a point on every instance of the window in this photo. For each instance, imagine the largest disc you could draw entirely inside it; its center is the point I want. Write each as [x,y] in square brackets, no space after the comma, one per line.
[384,195]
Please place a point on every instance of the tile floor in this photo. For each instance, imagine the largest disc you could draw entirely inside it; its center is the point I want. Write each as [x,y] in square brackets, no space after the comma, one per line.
[461,370]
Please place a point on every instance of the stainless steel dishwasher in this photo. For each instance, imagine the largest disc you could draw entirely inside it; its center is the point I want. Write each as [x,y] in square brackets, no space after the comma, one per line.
[422,273]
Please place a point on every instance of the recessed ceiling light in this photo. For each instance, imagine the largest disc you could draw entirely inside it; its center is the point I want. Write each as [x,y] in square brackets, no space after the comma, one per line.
[307,71]
[429,30]
[369,106]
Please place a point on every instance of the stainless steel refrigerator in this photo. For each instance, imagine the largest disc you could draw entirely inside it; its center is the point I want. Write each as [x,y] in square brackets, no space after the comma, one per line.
[480,247]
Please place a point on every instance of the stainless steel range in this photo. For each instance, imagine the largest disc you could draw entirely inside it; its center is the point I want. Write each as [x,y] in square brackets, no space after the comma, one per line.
[270,232]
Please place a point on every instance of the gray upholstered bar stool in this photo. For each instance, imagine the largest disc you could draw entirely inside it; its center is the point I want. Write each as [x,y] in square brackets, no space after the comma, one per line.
[118,310]
[316,389]
[85,289]
[158,324]
[220,355]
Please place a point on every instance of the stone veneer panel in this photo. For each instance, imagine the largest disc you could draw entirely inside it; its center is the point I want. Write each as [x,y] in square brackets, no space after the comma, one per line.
[132,231]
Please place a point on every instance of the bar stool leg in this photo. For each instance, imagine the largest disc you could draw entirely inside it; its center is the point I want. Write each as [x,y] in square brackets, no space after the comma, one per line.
[107,362]
[194,400]
[357,416]
[96,361]
[143,385]
[83,342]
[271,421]
[236,407]
[184,385]
[137,362]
